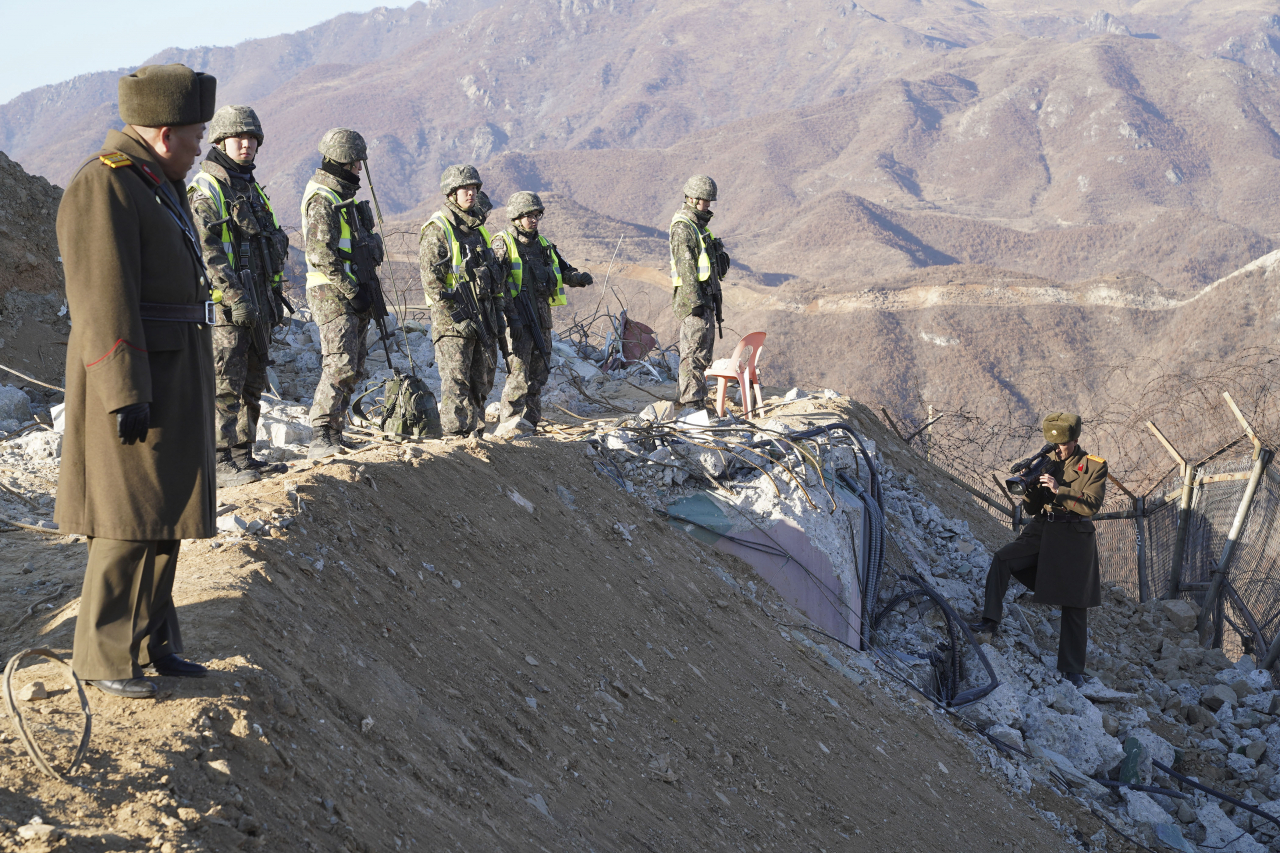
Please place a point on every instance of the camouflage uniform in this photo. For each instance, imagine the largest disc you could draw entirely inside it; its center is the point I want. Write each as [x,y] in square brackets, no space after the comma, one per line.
[343,330]
[694,306]
[527,371]
[240,352]
[467,367]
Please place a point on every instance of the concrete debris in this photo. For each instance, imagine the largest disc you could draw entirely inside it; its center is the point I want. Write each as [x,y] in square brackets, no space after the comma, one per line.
[15,405]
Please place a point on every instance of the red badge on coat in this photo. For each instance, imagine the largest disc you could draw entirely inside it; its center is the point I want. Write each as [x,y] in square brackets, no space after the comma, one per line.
[1080,467]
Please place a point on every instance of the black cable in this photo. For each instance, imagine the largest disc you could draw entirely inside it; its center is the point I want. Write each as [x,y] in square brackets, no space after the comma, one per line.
[1240,804]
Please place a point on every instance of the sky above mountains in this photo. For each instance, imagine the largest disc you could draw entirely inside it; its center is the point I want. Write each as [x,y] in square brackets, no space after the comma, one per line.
[63,38]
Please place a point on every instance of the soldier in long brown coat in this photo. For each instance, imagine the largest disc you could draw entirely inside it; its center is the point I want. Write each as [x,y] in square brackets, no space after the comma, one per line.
[1056,556]
[137,471]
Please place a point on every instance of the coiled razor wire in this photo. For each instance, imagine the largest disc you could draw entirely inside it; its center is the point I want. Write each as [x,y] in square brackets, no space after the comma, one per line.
[33,748]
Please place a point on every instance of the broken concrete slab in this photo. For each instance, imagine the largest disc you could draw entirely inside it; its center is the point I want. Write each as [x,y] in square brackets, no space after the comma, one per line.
[1182,614]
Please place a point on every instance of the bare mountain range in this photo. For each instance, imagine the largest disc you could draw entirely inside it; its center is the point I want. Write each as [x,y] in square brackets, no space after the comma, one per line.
[937,201]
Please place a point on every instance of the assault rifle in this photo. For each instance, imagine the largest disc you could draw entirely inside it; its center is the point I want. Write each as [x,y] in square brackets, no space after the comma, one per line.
[272,268]
[529,316]
[717,296]
[465,298]
[261,337]
[366,255]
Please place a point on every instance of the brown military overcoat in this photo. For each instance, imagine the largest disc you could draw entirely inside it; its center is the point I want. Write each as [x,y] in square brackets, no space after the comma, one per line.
[121,247]
[1067,573]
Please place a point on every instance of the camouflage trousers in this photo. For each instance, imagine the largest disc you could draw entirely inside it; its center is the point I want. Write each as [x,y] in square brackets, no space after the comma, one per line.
[697,337]
[342,351]
[527,373]
[466,378]
[240,377]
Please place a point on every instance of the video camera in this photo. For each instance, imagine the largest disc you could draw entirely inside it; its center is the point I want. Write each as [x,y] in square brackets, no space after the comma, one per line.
[1026,474]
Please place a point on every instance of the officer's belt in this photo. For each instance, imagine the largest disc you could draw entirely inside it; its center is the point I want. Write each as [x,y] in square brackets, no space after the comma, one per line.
[199,312]
[1061,516]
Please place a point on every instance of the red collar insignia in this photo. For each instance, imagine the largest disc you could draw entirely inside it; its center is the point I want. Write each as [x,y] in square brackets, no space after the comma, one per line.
[150,174]
[1080,467]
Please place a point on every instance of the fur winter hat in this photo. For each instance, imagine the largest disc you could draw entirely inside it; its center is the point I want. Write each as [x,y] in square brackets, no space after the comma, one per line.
[167,96]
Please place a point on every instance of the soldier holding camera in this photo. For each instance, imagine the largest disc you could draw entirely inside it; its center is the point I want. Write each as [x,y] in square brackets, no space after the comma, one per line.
[1056,555]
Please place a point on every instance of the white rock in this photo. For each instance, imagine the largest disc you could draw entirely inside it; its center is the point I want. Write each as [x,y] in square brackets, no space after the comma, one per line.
[40,445]
[1086,746]
[1006,734]
[307,361]
[1143,809]
[281,433]
[33,691]
[1153,747]
[1181,613]
[231,523]
[795,394]
[1223,835]
[15,405]
[1244,767]
[513,427]
[59,415]
[218,771]
[585,369]
[709,459]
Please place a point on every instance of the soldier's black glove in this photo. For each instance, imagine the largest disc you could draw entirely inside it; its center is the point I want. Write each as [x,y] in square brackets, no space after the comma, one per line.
[132,422]
[583,279]
[698,310]
[243,313]
[361,301]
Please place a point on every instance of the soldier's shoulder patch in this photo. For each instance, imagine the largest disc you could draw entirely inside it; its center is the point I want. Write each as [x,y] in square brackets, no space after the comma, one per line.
[115,159]
[1095,458]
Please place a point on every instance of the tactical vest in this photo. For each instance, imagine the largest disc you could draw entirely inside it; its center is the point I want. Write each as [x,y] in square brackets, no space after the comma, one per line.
[515,278]
[314,276]
[456,271]
[704,260]
[212,187]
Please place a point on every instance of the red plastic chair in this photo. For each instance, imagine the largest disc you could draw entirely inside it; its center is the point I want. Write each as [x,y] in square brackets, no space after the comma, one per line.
[741,366]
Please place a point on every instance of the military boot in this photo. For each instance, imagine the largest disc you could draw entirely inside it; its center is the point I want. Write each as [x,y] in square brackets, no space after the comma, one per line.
[244,458]
[322,444]
[231,473]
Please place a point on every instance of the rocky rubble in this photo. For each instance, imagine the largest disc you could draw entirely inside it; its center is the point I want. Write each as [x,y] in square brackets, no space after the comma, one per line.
[1152,692]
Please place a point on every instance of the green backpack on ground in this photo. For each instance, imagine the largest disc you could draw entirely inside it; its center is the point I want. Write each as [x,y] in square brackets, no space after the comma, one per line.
[410,409]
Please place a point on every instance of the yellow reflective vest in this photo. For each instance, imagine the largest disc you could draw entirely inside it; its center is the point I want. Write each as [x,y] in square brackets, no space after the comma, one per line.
[213,189]
[704,260]
[515,278]
[456,272]
[314,276]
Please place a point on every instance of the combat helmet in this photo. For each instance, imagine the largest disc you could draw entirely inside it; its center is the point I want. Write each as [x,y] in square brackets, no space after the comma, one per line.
[234,120]
[459,176]
[523,203]
[343,145]
[700,186]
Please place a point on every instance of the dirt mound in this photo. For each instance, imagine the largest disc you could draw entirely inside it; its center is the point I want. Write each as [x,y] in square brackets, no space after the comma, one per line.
[491,647]
[33,322]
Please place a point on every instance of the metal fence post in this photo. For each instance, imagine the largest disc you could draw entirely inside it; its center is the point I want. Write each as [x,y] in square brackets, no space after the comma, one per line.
[1139,517]
[1209,611]
[1184,513]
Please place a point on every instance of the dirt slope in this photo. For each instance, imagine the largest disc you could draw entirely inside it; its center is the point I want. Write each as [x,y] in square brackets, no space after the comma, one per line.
[421,662]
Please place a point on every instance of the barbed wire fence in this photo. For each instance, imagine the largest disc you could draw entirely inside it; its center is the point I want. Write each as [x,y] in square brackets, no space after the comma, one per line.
[1154,542]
